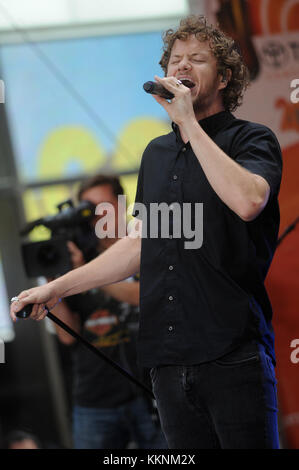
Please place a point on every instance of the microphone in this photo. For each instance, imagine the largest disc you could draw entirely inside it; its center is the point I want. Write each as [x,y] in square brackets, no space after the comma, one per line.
[155,88]
[25,312]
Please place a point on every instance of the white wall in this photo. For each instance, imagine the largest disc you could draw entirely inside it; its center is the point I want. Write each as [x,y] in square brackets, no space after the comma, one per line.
[45,13]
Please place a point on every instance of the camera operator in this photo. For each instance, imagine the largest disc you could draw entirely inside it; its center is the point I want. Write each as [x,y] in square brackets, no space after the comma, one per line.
[108,411]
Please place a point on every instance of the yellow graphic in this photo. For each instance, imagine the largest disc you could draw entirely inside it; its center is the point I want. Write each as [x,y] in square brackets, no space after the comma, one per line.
[111,340]
[129,183]
[135,136]
[66,145]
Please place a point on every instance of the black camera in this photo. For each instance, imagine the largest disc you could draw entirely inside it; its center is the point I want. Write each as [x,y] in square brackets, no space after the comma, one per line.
[51,257]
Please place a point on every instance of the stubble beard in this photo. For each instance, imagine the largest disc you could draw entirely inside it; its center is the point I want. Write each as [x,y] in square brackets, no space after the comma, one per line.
[203,103]
[200,104]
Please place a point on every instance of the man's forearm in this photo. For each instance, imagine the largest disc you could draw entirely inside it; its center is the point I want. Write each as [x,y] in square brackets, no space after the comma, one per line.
[118,262]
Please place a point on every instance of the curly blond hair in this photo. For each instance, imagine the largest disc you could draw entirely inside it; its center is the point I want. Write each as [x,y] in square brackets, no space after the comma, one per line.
[224,48]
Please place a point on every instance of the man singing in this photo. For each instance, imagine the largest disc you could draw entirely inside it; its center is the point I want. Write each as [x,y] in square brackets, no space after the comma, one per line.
[205,319]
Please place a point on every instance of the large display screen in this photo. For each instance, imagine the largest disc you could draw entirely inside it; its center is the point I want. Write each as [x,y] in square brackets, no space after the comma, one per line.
[76,105]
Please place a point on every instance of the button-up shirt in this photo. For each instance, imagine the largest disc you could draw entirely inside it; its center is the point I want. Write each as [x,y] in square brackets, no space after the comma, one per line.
[199,303]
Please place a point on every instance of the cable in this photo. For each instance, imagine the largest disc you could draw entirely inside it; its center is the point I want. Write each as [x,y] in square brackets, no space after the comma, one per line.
[25,313]
[289,229]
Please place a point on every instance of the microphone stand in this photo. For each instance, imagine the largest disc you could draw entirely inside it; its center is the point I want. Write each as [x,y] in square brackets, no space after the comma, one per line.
[25,313]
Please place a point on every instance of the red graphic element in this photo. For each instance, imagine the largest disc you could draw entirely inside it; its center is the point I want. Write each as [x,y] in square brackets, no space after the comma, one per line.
[255,17]
[283,286]
[268,18]
[290,118]
[293,22]
[101,322]
[274,12]
[289,194]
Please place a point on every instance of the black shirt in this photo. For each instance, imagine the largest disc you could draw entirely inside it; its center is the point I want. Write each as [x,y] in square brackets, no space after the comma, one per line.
[111,326]
[199,304]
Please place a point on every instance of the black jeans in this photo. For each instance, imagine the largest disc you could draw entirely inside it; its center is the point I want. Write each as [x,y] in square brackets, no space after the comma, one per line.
[230,403]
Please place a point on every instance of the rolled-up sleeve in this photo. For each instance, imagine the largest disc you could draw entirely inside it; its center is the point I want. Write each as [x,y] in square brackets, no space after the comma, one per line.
[258,150]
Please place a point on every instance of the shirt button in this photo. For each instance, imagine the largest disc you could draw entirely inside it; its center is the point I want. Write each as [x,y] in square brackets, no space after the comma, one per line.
[170,237]
[170,328]
[175,177]
[170,298]
[184,149]
[170,268]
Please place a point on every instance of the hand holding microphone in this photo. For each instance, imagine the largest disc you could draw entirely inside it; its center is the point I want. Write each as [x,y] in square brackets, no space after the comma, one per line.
[32,302]
[180,110]
[25,312]
[155,88]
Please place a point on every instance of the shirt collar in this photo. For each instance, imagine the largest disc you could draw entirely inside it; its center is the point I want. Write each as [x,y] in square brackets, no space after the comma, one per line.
[210,124]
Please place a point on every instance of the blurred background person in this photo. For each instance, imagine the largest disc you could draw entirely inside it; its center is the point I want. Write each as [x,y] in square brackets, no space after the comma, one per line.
[20,440]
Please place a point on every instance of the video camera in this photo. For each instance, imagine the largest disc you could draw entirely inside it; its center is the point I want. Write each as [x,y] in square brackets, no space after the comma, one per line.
[51,257]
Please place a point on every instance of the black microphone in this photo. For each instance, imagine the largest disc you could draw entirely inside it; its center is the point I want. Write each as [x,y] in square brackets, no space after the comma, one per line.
[155,88]
[25,312]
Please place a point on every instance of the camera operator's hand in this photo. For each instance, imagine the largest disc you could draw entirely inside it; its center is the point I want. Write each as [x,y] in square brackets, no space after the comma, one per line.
[77,257]
[39,296]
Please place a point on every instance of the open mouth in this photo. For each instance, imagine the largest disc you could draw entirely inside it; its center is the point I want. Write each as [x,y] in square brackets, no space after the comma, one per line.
[188,83]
